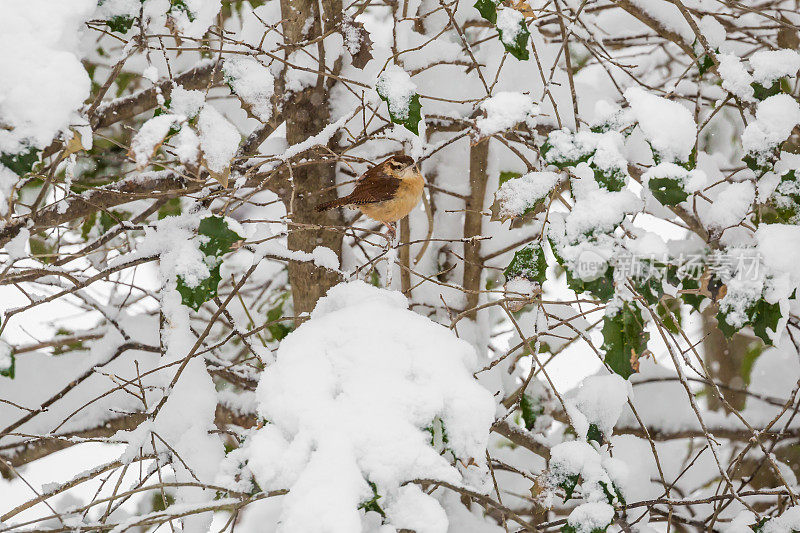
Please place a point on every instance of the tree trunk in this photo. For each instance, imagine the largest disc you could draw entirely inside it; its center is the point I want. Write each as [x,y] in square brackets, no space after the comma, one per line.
[729,362]
[306,114]
[473,223]
[725,361]
[405,257]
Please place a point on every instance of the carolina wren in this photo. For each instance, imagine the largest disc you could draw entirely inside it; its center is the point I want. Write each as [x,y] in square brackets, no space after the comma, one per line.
[386,192]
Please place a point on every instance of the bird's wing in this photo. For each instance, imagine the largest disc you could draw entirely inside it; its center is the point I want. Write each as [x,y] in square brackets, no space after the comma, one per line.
[374,186]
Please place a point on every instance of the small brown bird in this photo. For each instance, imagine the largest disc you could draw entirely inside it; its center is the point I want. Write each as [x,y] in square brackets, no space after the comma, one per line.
[386,192]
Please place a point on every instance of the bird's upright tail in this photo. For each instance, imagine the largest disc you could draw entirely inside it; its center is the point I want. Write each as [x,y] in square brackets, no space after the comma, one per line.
[339,202]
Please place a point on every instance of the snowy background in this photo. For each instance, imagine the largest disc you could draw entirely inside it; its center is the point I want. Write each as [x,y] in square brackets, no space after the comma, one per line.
[590,324]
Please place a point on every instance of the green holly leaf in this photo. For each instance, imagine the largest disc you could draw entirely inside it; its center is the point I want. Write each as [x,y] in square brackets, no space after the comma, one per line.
[170,209]
[649,287]
[567,528]
[692,162]
[42,249]
[666,310]
[611,179]
[88,224]
[375,278]
[163,110]
[109,219]
[487,9]
[554,250]
[760,316]
[595,434]
[612,493]
[410,117]
[568,484]
[518,45]
[724,326]
[216,240]
[372,503]
[763,161]
[620,497]
[160,110]
[694,300]
[762,93]
[783,206]
[601,288]
[624,339]
[704,63]
[180,5]
[531,410]
[672,275]
[577,154]
[278,330]
[69,347]
[120,23]
[668,191]
[22,162]
[610,496]
[529,263]
[219,238]
[758,527]
[196,296]
[507,175]
[8,361]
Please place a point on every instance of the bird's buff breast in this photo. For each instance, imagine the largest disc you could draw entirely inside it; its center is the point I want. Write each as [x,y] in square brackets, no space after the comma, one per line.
[408,196]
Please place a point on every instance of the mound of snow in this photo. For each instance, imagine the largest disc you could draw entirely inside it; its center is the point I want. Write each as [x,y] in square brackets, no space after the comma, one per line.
[349,401]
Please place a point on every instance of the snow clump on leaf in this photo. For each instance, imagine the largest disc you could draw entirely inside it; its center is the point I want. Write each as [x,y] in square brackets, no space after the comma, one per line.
[505,110]
[599,401]
[668,126]
[735,78]
[770,65]
[775,118]
[253,83]
[40,64]
[518,195]
[396,87]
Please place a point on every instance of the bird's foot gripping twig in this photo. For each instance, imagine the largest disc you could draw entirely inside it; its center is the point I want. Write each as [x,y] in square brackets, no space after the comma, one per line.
[391,235]
[392,231]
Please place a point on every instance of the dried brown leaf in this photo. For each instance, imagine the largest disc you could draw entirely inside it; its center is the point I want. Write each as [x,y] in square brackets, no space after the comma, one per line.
[522,6]
[364,53]
[74,145]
